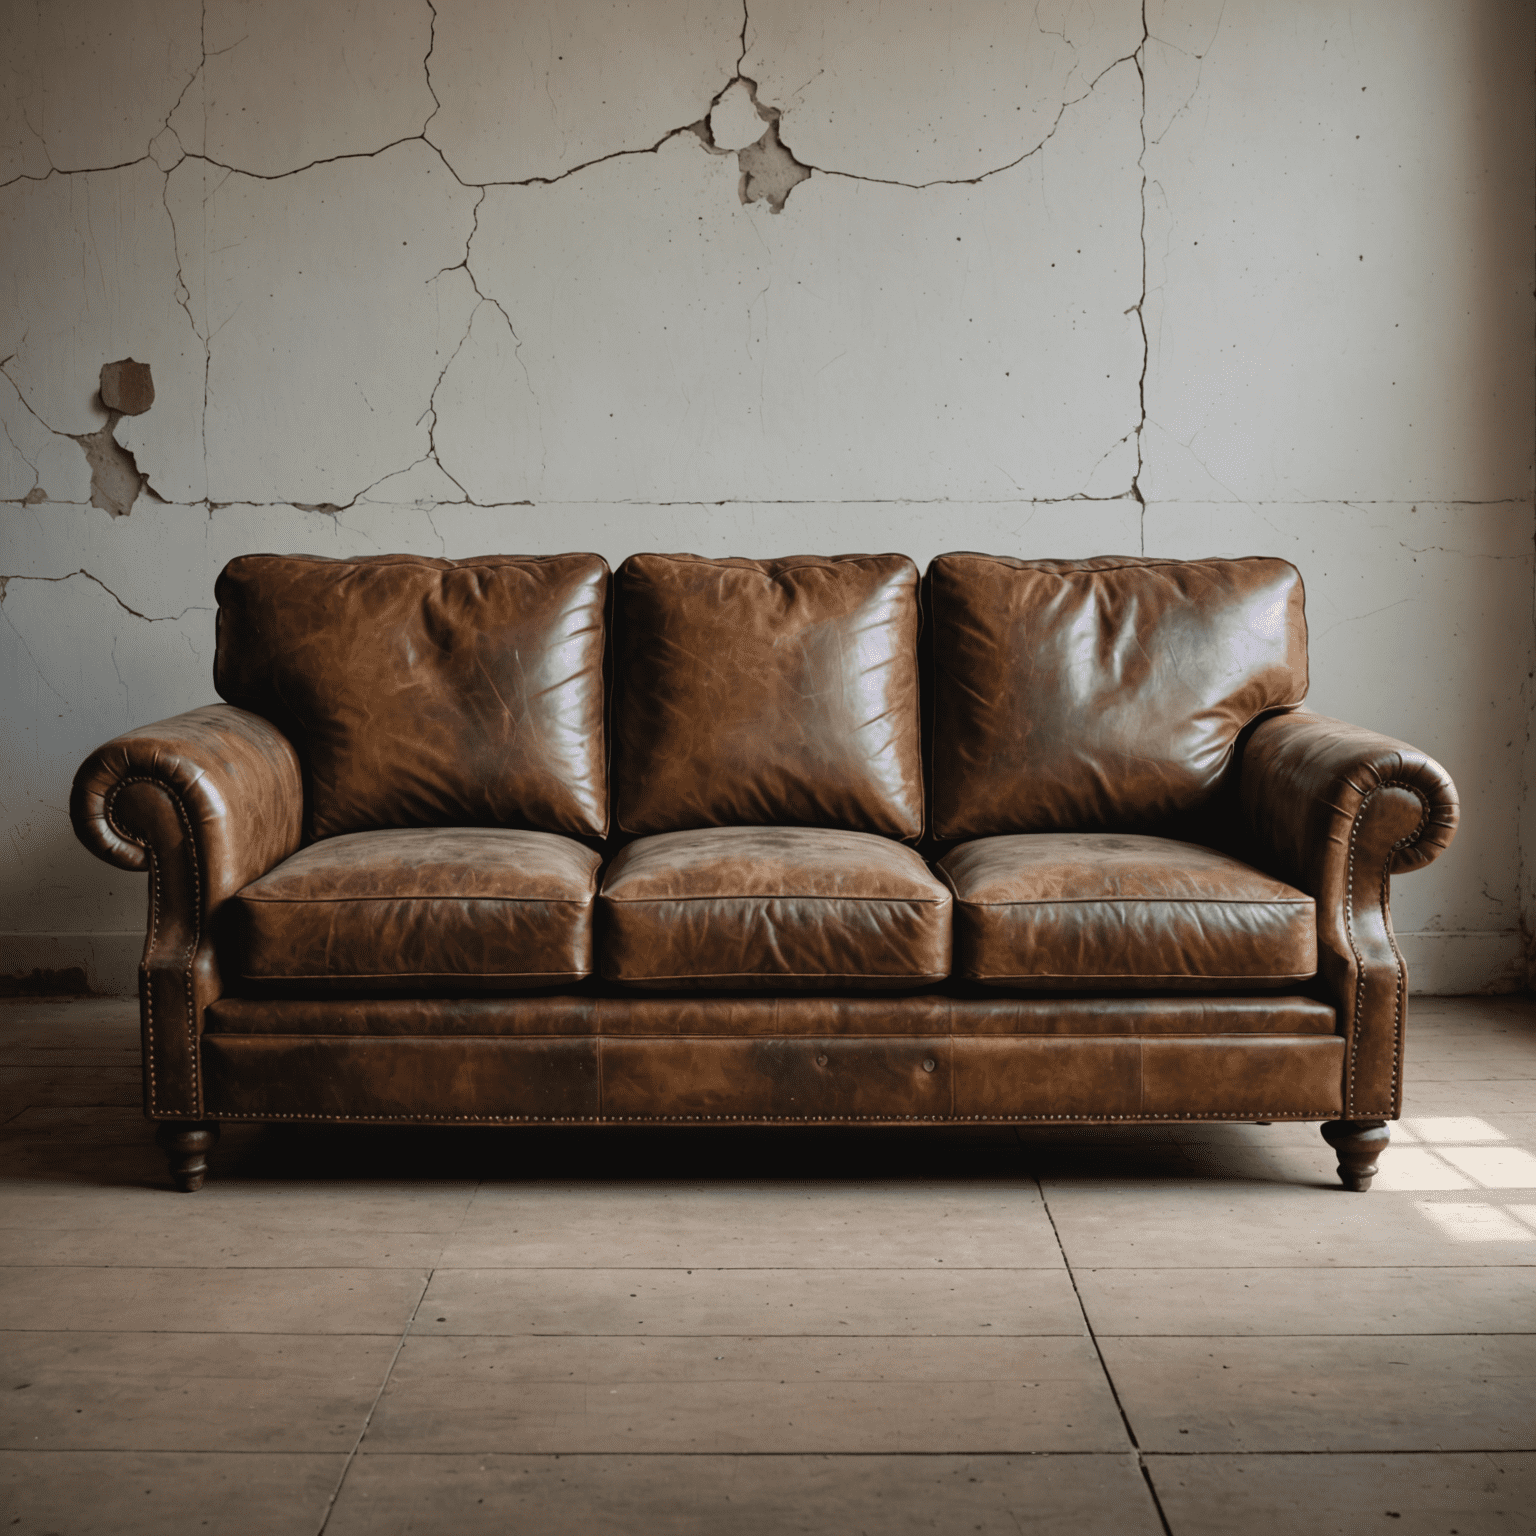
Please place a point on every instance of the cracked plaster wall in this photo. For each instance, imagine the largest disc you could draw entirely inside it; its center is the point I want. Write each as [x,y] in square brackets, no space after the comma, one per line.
[1061,279]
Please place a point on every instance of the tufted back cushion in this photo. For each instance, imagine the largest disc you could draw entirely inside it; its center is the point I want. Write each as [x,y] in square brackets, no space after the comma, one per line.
[759,692]
[1073,695]
[424,692]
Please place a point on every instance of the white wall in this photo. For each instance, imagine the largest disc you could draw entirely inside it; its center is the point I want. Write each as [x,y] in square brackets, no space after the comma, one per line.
[1064,279]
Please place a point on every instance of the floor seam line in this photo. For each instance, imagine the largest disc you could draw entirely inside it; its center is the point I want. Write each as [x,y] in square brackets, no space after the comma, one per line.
[330,1507]
[1109,1380]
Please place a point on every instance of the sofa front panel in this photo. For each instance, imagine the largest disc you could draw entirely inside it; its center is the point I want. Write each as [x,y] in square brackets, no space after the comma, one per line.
[769,908]
[1220,1078]
[424,692]
[1100,694]
[1106,911]
[794,1080]
[451,1082]
[791,1015]
[773,1080]
[778,692]
[443,908]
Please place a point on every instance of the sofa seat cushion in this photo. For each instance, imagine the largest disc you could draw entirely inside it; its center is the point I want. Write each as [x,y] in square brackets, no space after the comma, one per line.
[1098,912]
[773,907]
[459,908]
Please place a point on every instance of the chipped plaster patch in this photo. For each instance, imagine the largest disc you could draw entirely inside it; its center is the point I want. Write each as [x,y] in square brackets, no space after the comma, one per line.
[115,478]
[735,121]
[769,171]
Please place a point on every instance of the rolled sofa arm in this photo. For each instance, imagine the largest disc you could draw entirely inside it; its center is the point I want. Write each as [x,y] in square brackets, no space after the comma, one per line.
[206,802]
[1338,811]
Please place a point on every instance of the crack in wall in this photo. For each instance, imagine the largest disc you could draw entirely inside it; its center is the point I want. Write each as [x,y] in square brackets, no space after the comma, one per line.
[148,618]
[1141,302]
[769,172]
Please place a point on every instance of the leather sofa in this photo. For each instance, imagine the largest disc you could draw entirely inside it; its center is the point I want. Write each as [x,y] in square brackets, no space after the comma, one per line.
[506,841]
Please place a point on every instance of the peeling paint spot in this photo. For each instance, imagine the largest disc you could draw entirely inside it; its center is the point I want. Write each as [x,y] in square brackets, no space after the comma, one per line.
[735,120]
[769,171]
[33,497]
[115,478]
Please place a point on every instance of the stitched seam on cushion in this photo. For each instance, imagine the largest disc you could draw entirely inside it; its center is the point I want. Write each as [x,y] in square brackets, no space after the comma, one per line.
[1142,975]
[667,901]
[826,560]
[197,926]
[1125,564]
[1349,930]
[402,975]
[322,901]
[1167,1117]
[807,975]
[1146,901]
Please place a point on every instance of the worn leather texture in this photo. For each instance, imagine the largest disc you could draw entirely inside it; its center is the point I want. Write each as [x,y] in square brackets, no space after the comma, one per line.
[1108,694]
[204,802]
[806,1081]
[750,1016]
[1338,810]
[1097,911]
[790,907]
[441,908]
[759,692]
[425,692]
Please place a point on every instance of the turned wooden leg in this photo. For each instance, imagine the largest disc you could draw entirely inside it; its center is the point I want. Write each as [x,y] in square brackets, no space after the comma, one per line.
[187,1144]
[1359,1143]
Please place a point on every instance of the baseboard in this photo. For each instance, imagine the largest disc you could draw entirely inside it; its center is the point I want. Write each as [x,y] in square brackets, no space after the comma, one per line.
[106,964]
[1455,964]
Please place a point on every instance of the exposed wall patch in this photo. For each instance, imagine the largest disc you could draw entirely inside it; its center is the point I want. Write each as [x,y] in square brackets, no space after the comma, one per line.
[127,389]
[769,171]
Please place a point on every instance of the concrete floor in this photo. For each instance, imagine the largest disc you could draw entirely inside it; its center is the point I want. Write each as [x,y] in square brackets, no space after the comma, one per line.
[1190,1329]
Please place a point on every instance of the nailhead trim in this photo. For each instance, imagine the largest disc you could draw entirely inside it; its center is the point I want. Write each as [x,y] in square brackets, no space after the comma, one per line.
[1171,1118]
[1349,929]
[154,928]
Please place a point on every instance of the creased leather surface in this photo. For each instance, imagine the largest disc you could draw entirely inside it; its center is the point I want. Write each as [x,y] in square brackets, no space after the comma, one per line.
[426,692]
[887,1080]
[434,1081]
[1338,810]
[1100,694]
[745,1016]
[753,692]
[731,907]
[1271,1078]
[1105,910]
[205,801]
[451,907]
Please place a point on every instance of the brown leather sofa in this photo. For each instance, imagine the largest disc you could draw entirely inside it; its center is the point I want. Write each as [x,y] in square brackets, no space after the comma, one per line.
[792,842]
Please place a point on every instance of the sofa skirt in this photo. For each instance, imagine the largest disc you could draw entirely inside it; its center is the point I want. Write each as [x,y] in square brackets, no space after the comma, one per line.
[757,1061]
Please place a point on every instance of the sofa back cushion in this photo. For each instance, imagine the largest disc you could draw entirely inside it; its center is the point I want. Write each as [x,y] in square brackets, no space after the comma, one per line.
[1071,695]
[756,692]
[424,692]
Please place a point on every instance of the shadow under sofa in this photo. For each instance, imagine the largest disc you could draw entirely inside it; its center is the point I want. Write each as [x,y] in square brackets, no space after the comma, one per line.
[507,841]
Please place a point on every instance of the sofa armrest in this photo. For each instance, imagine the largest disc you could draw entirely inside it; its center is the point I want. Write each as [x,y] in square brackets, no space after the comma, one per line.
[1338,811]
[205,802]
